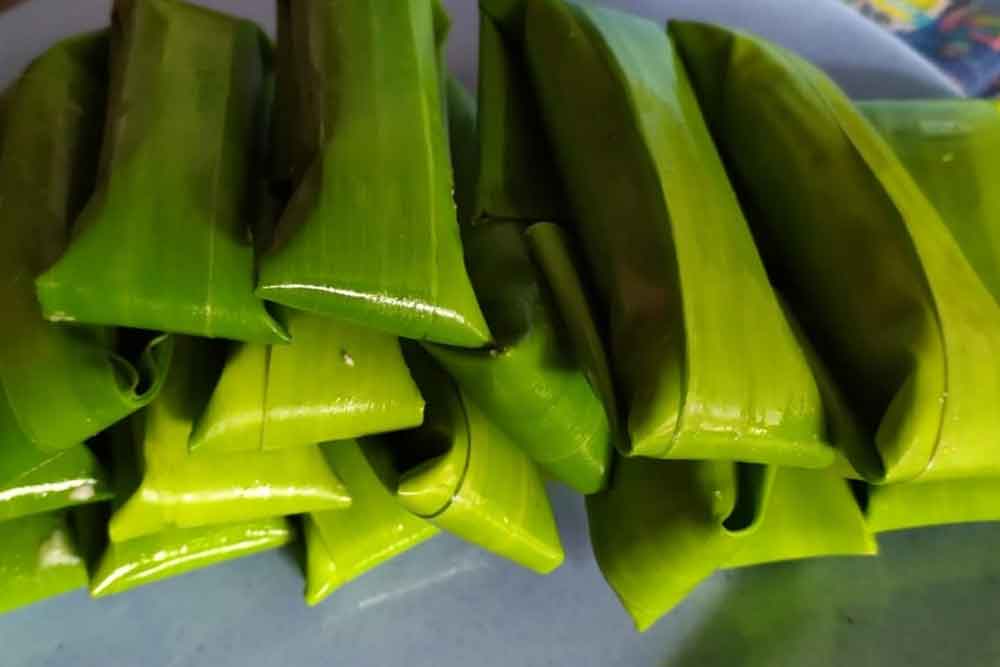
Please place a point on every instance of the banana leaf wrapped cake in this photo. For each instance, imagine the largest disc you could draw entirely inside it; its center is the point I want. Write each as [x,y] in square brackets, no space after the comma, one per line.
[179,489]
[370,234]
[529,382]
[48,154]
[907,330]
[464,475]
[705,363]
[116,567]
[949,147]
[343,544]
[164,242]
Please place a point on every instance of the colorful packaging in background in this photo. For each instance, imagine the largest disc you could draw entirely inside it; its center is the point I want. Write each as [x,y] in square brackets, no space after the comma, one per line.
[962,37]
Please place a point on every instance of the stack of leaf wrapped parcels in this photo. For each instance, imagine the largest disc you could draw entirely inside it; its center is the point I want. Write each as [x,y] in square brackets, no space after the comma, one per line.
[255,291]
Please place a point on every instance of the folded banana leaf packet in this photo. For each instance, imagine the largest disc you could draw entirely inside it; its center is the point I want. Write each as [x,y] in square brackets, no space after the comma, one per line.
[341,545]
[333,381]
[116,567]
[186,490]
[528,382]
[39,559]
[464,475]
[662,527]
[164,242]
[370,235]
[705,364]
[907,330]
[948,148]
[48,152]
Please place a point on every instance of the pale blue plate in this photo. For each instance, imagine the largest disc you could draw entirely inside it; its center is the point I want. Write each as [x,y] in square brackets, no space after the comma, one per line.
[927,600]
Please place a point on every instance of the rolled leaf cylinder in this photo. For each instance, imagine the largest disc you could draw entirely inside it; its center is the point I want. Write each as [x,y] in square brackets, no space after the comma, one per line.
[705,363]
[179,489]
[38,560]
[344,544]
[48,155]
[906,328]
[370,234]
[464,475]
[333,381]
[164,242]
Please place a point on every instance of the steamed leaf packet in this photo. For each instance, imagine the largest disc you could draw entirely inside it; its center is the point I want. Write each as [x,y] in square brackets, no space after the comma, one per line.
[179,489]
[116,567]
[48,153]
[464,475]
[705,363]
[39,559]
[662,527]
[164,242]
[332,382]
[342,545]
[906,329]
[949,148]
[528,381]
[370,234]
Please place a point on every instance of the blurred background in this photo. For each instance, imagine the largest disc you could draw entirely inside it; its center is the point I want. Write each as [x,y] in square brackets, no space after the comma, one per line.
[962,37]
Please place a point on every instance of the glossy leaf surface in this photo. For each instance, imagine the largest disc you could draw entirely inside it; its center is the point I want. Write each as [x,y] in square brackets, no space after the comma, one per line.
[907,330]
[530,384]
[46,482]
[38,560]
[344,544]
[334,381]
[47,158]
[185,490]
[164,243]
[370,235]
[662,527]
[461,473]
[705,363]
[948,146]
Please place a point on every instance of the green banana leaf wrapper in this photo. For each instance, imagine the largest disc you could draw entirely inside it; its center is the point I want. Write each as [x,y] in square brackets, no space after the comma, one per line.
[187,490]
[949,148]
[370,234]
[463,145]
[908,331]
[116,567]
[39,559]
[464,475]
[662,527]
[344,544]
[164,242]
[530,383]
[705,364]
[516,179]
[46,483]
[332,382]
[48,153]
